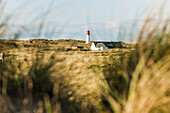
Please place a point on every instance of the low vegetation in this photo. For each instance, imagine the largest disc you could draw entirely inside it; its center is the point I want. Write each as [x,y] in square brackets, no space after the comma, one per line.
[69,80]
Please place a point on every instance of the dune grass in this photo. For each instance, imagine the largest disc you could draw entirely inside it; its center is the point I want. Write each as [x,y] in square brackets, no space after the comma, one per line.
[119,82]
[141,84]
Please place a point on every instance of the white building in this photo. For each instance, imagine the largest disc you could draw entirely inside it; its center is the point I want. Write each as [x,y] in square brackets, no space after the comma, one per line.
[98,46]
[105,45]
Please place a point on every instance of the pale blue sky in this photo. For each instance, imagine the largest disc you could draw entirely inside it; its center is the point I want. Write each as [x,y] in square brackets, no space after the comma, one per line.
[80,12]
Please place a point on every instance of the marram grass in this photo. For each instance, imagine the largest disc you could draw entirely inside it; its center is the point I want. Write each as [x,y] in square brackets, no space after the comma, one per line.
[89,83]
[145,78]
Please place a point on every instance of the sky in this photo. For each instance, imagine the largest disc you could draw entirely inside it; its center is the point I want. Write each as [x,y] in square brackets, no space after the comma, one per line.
[71,18]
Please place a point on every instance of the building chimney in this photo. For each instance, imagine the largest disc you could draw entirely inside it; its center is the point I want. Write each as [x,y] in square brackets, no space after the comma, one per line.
[88,37]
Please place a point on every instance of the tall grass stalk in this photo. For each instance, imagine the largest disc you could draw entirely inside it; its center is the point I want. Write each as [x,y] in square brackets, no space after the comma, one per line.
[147,73]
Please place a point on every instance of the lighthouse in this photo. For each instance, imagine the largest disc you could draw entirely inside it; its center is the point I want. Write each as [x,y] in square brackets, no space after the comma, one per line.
[88,37]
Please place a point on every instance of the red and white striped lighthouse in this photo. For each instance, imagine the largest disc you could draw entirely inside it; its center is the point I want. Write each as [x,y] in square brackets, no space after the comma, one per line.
[88,37]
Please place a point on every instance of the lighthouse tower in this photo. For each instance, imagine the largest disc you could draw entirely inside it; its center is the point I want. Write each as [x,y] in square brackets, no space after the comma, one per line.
[88,37]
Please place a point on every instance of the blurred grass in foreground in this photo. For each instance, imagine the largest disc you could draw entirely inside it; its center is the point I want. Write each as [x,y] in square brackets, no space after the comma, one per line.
[81,83]
[142,84]
[139,83]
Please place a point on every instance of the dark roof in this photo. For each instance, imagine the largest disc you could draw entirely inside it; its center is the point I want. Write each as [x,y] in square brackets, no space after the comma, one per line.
[109,44]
